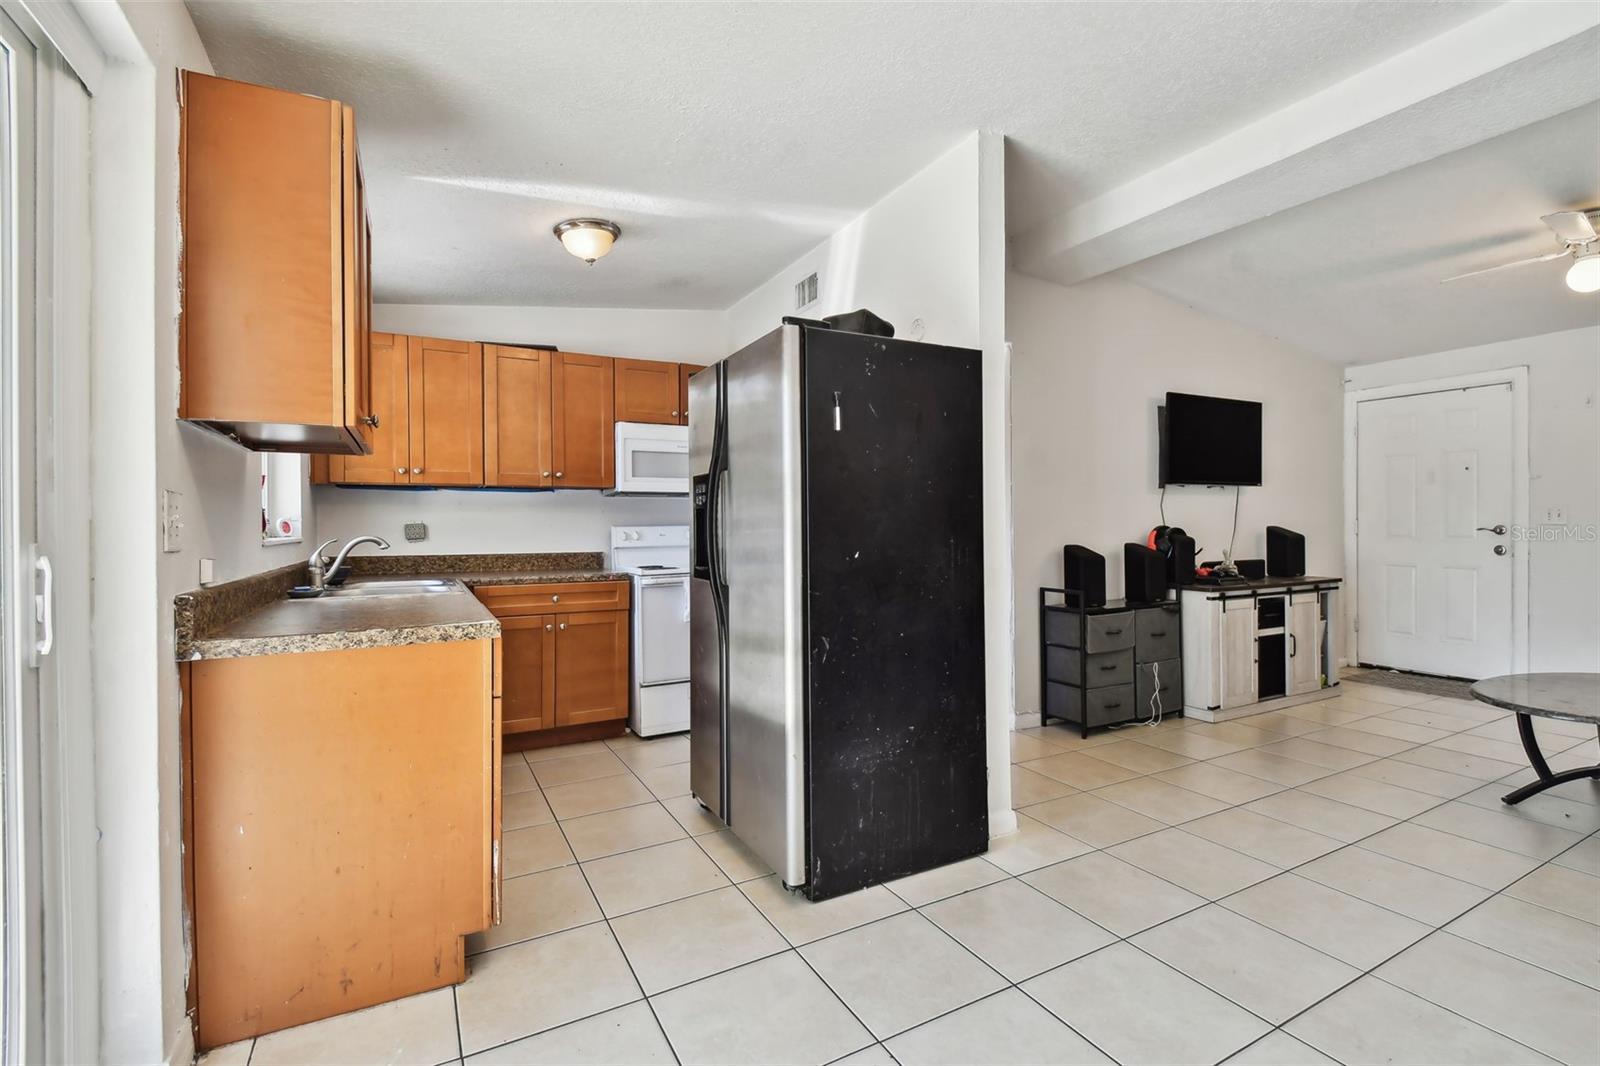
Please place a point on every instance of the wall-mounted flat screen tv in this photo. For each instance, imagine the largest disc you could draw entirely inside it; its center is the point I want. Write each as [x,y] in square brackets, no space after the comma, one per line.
[1208,440]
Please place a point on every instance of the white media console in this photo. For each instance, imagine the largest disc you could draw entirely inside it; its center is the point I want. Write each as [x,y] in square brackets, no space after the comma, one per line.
[1258,645]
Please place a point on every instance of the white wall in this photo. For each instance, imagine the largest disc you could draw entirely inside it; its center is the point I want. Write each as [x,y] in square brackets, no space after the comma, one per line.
[635,333]
[1090,364]
[930,258]
[465,521]
[1563,452]
[912,255]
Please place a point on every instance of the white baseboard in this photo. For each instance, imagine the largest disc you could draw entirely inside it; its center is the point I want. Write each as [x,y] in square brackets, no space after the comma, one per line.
[1025,720]
[1002,823]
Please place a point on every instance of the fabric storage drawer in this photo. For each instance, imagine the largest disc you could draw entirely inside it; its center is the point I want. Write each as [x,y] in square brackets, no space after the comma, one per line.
[1095,670]
[1157,635]
[1104,632]
[1168,691]
[1106,706]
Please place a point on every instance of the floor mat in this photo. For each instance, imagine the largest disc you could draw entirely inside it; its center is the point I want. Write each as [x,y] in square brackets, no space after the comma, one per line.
[1427,684]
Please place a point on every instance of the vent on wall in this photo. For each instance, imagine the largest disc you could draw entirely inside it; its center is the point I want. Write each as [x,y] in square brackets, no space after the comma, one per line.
[805,291]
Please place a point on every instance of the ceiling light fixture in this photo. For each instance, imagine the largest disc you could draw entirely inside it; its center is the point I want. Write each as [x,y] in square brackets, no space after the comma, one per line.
[587,238]
[1584,273]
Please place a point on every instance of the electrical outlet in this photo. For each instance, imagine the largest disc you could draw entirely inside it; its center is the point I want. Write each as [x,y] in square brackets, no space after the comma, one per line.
[208,571]
[416,531]
[1555,516]
[171,521]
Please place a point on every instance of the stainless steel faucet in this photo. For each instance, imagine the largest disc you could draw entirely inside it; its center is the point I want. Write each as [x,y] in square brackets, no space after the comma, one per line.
[320,569]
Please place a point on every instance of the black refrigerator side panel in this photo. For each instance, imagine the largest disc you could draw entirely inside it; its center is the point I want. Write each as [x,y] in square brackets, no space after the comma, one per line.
[897,779]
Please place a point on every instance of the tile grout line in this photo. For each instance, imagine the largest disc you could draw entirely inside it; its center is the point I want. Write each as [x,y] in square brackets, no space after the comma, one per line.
[1009,876]
[676,1058]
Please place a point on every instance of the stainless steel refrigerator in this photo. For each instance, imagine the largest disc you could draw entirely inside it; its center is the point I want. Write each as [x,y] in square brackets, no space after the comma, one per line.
[836,604]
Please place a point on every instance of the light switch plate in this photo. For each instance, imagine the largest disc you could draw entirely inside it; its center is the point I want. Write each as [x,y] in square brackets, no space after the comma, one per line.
[171,521]
[208,571]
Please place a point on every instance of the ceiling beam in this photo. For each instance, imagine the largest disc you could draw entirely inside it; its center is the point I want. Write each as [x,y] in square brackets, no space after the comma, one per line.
[1516,64]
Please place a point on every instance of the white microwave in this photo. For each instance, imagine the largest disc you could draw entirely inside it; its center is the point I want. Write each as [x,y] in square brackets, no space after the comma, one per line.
[652,460]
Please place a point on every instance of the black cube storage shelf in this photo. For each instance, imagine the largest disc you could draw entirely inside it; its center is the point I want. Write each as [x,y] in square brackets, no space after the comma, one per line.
[1110,665]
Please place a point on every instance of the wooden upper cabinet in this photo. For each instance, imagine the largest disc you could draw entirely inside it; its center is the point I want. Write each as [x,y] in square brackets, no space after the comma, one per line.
[647,391]
[591,667]
[389,463]
[275,268]
[516,416]
[583,423]
[446,431]
[685,372]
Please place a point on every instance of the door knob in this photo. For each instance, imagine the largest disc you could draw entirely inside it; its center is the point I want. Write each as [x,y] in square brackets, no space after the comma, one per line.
[399,470]
[559,474]
[1498,531]
[1499,549]
[548,627]
[674,414]
[563,625]
[556,598]
[370,420]
[416,470]
[545,474]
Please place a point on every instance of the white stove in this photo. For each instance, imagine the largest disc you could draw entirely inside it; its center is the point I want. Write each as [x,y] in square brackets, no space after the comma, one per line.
[657,559]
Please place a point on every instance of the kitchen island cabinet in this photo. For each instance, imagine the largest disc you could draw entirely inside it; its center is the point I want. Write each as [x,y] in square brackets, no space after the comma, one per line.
[344,831]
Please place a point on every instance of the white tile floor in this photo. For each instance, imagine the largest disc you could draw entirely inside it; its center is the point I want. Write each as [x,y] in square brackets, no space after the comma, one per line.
[1334,882]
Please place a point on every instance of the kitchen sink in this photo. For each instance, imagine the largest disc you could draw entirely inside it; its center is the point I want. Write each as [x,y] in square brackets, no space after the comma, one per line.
[398,587]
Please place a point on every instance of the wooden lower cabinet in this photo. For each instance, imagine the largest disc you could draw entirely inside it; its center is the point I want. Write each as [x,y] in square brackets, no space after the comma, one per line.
[564,654]
[343,811]
[528,655]
[591,667]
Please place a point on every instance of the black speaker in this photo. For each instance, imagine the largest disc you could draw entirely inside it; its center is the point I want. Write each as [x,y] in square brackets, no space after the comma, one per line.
[1286,552]
[1083,572]
[1144,574]
[1252,569]
[1180,560]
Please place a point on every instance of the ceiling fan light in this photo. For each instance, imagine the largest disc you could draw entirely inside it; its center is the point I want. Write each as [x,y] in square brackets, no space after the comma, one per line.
[587,238]
[1584,273]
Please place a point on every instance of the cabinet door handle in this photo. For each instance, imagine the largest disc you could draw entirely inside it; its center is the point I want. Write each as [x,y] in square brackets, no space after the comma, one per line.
[1157,633]
[1113,706]
[548,627]
[674,414]
[555,598]
[399,470]
[563,625]
[1294,646]
[370,420]
[545,474]
[1113,632]
[1108,666]
[559,474]
[416,470]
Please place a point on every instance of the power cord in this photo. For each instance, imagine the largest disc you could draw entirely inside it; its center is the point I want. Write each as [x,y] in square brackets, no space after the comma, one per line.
[1157,712]
[1235,534]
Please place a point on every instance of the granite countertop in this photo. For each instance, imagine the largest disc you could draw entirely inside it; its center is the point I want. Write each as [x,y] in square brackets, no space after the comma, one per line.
[253,616]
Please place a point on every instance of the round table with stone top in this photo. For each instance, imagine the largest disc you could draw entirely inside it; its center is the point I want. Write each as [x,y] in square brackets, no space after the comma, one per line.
[1570,697]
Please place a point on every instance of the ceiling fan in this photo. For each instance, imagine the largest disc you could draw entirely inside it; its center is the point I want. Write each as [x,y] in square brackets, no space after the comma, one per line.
[1579,239]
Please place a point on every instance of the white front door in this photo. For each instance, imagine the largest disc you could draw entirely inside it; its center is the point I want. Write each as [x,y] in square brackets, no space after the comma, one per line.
[1434,495]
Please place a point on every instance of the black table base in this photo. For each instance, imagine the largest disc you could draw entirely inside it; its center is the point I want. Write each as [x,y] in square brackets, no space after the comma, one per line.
[1547,779]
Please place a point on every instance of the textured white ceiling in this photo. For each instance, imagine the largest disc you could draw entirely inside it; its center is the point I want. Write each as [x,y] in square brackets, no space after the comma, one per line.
[728,139]
[1355,277]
